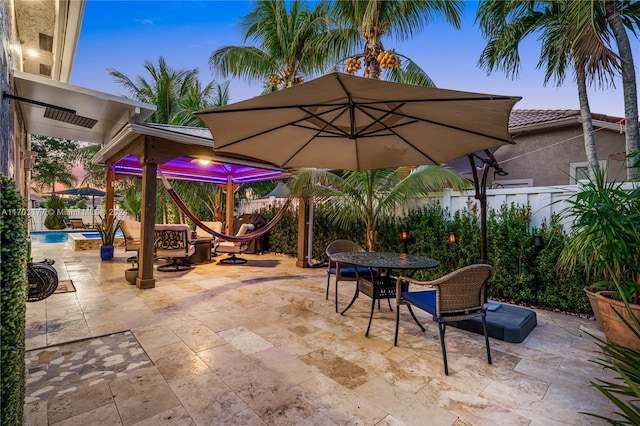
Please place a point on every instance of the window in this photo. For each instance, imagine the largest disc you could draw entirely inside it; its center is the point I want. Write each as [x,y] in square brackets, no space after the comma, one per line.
[579,172]
[512,183]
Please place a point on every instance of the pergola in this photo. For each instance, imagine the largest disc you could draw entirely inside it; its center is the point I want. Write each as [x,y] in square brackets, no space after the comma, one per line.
[185,153]
[131,147]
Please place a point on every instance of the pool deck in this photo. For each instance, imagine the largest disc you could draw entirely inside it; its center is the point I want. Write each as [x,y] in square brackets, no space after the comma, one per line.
[258,344]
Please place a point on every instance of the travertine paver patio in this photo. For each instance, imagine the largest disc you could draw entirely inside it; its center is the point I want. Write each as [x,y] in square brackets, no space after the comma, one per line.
[259,344]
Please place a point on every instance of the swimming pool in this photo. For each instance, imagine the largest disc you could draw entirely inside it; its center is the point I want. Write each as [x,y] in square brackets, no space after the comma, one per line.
[53,237]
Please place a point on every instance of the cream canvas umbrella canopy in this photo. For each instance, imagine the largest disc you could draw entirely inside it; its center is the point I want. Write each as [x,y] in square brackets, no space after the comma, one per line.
[340,121]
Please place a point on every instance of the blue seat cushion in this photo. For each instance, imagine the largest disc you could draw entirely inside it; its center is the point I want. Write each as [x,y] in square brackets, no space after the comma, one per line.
[349,271]
[425,300]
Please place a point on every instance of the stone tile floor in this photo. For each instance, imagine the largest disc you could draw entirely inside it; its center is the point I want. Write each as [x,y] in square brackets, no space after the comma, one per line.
[258,344]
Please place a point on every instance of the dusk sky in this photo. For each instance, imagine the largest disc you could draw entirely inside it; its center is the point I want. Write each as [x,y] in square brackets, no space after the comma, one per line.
[123,34]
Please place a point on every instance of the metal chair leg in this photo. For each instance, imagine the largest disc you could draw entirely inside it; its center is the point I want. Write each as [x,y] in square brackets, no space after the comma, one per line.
[442,328]
[486,338]
[415,319]
[373,305]
[336,293]
[395,340]
[355,296]
[328,284]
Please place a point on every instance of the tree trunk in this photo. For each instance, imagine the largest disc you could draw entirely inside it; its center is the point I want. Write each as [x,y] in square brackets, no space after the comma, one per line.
[629,87]
[373,46]
[587,123]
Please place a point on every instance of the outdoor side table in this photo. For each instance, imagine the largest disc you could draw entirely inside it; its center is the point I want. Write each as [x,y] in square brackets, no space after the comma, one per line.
[203,251]
[381,286]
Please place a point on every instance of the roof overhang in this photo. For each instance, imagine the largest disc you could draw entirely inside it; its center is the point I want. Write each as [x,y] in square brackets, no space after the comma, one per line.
[98,116]
[563,122]
[207,167]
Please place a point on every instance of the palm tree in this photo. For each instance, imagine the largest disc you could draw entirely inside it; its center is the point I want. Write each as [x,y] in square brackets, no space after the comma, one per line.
[507,23]
[368,196]
[617,15]
[165,90]
[372,20]
[198,98]
[131,202]
[94,173]
[289,50]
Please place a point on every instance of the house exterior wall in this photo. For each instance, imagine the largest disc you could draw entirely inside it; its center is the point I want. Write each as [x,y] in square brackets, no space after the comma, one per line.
[543,157]
[7,156]
[13,137]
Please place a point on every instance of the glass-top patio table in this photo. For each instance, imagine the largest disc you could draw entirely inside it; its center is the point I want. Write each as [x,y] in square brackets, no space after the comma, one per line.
[381,285]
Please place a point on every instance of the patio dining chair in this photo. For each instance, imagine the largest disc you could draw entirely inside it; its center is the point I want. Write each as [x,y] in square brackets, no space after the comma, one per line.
[457,296]
[342,272]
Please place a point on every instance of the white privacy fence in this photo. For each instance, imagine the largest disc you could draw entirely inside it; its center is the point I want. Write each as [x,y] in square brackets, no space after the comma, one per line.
[543,200]
[88,216]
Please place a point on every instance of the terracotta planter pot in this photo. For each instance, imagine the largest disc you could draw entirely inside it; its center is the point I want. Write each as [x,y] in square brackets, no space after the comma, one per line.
[591,294]
[614,329]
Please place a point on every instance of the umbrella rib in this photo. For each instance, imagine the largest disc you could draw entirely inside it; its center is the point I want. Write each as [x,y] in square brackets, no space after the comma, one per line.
[424,120]
[273,129]
[375,120]
[304,145]
[327,123]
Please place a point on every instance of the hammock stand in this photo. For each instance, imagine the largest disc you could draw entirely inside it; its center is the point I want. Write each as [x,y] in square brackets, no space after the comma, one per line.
[246,237]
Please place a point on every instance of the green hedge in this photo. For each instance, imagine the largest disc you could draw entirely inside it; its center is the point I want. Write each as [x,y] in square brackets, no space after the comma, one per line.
[524,274]
[13,276]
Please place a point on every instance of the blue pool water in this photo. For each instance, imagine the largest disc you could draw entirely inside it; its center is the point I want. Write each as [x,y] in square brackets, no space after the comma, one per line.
[52,237]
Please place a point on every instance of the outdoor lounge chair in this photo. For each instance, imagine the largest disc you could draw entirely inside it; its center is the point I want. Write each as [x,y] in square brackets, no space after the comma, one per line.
[131,232]
[234,248]
[215,226]
[342,272]
[77,224]
[174,242]
[457,296]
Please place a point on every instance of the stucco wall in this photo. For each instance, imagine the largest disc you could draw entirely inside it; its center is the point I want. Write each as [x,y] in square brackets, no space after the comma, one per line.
[545,156]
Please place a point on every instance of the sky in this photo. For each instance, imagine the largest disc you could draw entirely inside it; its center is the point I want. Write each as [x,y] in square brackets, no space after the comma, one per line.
[124,34]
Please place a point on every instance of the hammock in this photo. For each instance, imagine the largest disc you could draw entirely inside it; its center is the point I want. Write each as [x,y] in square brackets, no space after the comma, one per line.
[246,237]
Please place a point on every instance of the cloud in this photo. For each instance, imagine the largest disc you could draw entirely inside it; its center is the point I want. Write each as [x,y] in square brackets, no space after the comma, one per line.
[146,21]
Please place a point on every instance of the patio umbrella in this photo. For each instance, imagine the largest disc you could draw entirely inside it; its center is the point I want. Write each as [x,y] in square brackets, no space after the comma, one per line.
[340,121]
[85,192]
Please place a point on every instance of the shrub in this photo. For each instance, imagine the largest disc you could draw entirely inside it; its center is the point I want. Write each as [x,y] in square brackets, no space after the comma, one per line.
[55,216]
[524,273]
[13,275]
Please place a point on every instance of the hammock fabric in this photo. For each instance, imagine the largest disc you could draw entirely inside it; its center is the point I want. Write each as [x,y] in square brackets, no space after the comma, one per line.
[242,238]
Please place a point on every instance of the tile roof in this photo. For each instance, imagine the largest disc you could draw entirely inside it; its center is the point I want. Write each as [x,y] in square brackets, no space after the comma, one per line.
[527,117]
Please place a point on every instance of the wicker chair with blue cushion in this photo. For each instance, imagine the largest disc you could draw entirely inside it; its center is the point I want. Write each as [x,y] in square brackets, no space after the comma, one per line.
[342,272]
[457,296]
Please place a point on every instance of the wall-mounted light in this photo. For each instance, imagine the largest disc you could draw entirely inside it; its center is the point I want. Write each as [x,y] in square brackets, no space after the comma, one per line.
[452,237]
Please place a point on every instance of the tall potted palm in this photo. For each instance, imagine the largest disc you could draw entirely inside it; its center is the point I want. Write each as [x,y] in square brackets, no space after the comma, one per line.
[604,240]
[107,228]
